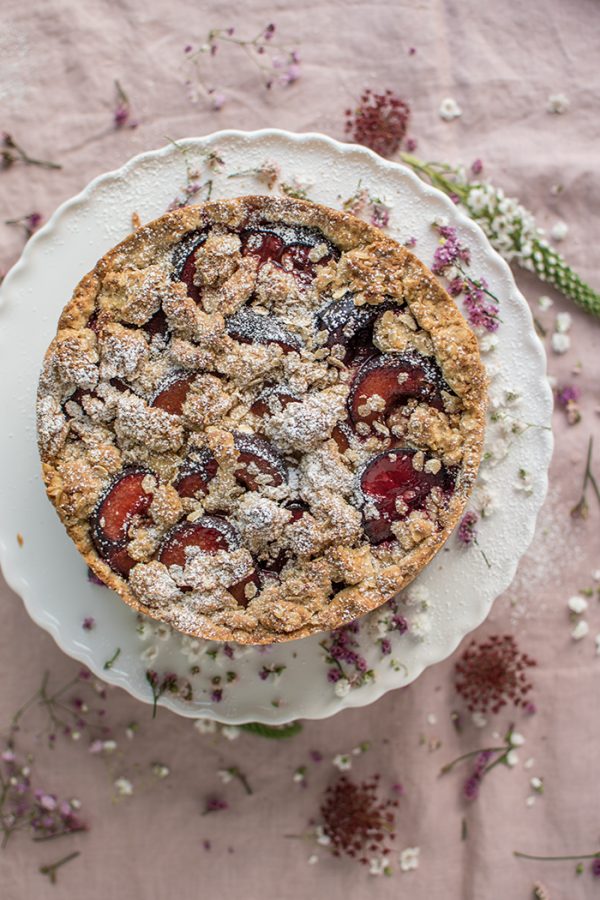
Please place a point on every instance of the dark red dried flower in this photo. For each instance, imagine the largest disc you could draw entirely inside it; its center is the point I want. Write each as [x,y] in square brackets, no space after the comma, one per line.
[378,122]
[355,820]
[493,673]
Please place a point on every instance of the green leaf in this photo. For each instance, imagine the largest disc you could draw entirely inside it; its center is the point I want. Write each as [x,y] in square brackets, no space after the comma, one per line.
[273,731]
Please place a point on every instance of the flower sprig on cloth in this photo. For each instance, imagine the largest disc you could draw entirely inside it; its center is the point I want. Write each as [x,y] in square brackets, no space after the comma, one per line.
[50,869]
[510,227]
[122,110]
[29,223]
[277,64]
[581,509]
[594,868]
[486,759]
[11,153]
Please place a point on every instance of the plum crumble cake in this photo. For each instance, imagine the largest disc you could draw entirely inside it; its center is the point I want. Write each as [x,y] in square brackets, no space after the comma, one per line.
[260,418]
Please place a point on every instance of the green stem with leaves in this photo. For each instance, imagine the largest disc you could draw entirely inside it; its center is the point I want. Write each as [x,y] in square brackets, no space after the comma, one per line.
[540,257]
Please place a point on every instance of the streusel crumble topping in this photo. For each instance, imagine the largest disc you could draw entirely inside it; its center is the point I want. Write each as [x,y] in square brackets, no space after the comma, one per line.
[260,418]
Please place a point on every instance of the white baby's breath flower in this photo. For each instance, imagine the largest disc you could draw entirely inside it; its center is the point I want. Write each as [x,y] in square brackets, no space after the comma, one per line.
[231,732]
[581,630]
[416,596]
[160,771]
[342,687]
[563,323]
[123,787]
[342,761]
[313,859]
[449,109]
[537,784]
[192,648]
[225,775]
[486,502]
[149,654]
[560,342]
[557,104]
[559,231]
[530,801]
[109,746]
[545,303]
[409,859]
[478,719]
[420,626]
[488,342]
[577,604]
[516,739]
[512,758]
[321,837]
[205,726]
[378,866]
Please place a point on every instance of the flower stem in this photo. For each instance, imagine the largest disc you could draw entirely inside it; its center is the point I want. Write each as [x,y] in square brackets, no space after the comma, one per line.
[581,509]
[540,257]
[471,753]
[51,869]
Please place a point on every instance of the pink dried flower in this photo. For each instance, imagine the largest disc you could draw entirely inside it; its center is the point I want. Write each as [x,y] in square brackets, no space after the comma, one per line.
[492,673]
[450,251]
[215,804]
[93,578]
[217,101]
[467,532]
[122,110]
[356,821]
[477,167]
[30,223]
[379,121]
[567,397]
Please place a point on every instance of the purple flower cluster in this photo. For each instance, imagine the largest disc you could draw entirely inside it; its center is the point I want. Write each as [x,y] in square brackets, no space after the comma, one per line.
[570,393]
[29,223]
[93,578]
[450,251]
[481,308]
[379,121]
[169,683]
[467,531]
[122,111]
[215,804]
[567,397]
[481,311]
[342,649]
[473,782]
[23,806]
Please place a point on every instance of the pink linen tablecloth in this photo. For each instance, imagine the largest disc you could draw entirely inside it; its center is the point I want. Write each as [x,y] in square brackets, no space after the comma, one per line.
[500,62]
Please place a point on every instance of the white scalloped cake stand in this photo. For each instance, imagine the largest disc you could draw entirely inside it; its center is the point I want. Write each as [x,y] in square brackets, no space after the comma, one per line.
[450,598]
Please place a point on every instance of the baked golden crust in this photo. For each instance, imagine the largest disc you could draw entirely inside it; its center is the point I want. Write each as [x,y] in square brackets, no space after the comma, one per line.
[99,417]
